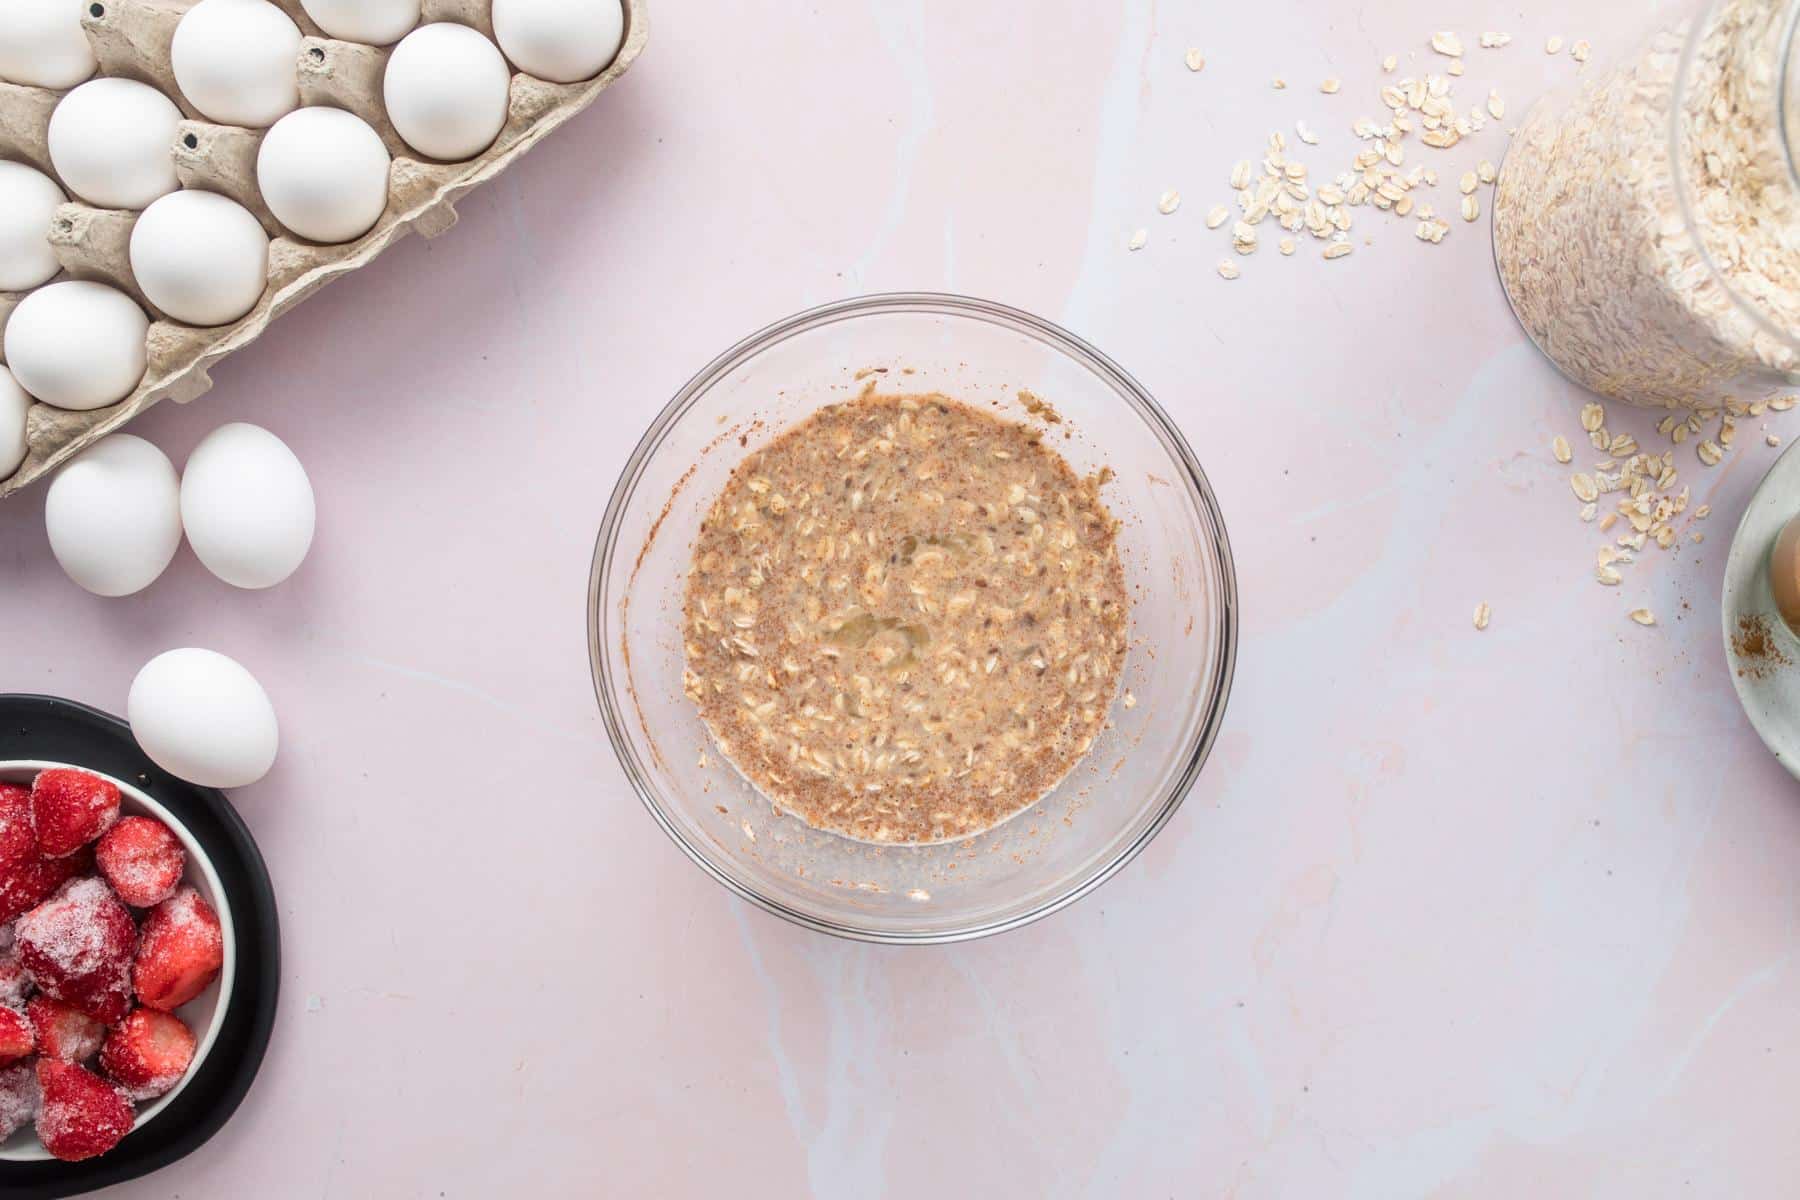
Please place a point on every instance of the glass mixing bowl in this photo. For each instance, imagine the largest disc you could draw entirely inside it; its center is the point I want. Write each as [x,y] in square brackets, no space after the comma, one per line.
[1177,567]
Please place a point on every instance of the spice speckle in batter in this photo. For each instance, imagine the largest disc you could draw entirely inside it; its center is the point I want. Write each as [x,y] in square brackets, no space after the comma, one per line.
[905,619]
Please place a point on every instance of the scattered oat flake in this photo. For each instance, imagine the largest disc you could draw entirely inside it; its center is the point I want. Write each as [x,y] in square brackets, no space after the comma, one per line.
[1138,240]
[1482,613]
[1168,202]
[1287,245]
[1471,208]
[1589,512]
[1559,446]
[1643,616]
[1608,577]
[1278,83]
[1227,269]
[1608,521]
[1129,700]
[1447,43]
[1592,416]
[1493,41]
[1455,67]
[1703,512]
[1216,216]
[1495,105]
[1486,172]
[1554,45]
[1709,452]
[1781,403]
[1580,51]
[1584,487]
[1331,85]
[1468,182]
[1337,249]
[1195,60]
[1389,63]
[1773,439]
[1305,133]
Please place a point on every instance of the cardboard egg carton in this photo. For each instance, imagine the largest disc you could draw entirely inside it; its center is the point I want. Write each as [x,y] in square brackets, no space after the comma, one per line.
[132,38]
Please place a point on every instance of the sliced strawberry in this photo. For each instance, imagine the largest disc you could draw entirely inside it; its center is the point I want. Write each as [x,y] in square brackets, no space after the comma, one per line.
[64,1032]
[142,860]
[70,809]
[18,1097]
[18,840]
[15,980]
[180,953]
[16,1036]
[78,946]
[82,1114]
[148,1053]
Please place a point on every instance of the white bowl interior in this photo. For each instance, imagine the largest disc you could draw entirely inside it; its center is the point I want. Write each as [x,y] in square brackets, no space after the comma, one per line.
[205,1013]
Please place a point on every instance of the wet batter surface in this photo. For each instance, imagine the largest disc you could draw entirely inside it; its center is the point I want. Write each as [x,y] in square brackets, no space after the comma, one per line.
[905,619]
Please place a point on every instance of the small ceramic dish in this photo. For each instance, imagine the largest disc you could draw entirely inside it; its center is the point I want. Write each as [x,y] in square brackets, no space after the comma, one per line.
[1763,654]
[205,1013]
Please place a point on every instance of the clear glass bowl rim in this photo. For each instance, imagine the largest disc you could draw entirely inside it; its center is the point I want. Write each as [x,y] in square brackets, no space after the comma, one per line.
[600,626]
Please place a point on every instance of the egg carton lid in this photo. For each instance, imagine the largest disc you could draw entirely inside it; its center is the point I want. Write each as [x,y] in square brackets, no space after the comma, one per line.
[132,40]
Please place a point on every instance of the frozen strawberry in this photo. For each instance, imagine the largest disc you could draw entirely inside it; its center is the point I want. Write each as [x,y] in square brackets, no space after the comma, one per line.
[18,1097]
[29,884]
[16,1036]
[142,860]
[82,1115]
[78,946]
[181,951]
[148,1053]
[63,1031]
[70,809]
[15,980]
[18,840]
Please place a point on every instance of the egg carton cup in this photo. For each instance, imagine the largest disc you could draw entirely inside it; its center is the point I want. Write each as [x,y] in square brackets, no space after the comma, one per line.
[132,39]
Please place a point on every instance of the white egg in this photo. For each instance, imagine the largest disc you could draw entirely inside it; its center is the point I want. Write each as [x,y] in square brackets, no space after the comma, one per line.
[234,60]
[42,44]
[114,515]
[323,172]
[111,141]
[28,200]
[77,345]
[14,404]
[376,22]
[247,506]
[200,257]
[446,90]
[202,717]
[563,41]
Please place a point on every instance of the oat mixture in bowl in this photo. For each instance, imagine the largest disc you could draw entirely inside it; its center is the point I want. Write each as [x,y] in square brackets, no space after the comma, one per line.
[905,618]
[797,681]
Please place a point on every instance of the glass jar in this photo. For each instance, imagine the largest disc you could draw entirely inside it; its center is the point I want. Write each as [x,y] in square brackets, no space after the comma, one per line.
[1647,216]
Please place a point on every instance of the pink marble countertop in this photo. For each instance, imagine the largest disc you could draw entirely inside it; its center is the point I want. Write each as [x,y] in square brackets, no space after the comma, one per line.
[1449,914]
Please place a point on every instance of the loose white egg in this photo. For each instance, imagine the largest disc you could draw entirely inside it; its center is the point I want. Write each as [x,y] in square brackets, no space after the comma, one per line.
[200,257]
[446,90]
[247,506]
[28,200]
[376,22]
[42,45]
[202,717]
[14,404]
[114,515]
[563,41]
[324,174]
[234,60]
[77,345]
[110,140]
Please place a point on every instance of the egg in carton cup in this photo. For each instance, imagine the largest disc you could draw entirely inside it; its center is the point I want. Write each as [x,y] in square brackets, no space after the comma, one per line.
[133,39]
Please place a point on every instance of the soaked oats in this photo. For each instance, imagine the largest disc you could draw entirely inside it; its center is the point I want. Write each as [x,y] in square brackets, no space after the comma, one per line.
[905,619]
